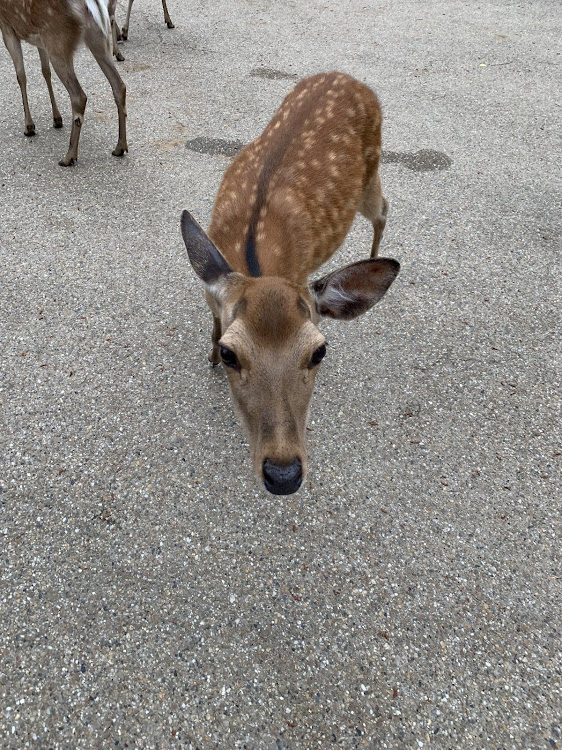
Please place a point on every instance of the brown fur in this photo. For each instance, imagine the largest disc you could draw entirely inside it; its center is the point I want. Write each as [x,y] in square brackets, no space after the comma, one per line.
[331,124]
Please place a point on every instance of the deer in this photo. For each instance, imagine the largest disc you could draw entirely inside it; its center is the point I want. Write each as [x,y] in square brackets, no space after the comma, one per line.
[284,206]
[118,34]
[125,29]
[56,28]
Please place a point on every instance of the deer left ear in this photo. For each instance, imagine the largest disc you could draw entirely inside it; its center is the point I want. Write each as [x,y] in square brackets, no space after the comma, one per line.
[351,291]
[206,259]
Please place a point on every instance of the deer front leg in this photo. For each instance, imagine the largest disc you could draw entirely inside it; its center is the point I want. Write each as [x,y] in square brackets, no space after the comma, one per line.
[13,45]
[374,207]
[167,18]
[378,226]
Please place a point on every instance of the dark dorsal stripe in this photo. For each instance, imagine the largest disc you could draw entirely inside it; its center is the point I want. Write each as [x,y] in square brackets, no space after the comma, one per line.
[270,164]
[273,159]
[251,255]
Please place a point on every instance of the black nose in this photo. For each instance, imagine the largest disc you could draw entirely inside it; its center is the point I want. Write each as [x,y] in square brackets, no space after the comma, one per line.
[282,480]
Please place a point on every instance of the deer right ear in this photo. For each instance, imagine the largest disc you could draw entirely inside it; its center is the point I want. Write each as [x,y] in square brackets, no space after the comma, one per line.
[350,291]
[206,259]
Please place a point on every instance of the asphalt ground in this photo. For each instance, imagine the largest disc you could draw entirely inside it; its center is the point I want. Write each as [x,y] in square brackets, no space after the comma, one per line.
[152,595]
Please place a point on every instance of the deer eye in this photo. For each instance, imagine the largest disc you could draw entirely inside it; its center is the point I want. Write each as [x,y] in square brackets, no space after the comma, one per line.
[229,358]
[317,356]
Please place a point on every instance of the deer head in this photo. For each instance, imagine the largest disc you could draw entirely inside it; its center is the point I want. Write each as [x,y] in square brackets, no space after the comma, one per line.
[271,348]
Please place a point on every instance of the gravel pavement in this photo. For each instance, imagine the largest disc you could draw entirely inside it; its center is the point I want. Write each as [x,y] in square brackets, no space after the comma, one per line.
[152,595]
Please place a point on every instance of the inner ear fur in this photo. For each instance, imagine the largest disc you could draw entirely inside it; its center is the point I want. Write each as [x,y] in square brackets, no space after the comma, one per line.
[351,291]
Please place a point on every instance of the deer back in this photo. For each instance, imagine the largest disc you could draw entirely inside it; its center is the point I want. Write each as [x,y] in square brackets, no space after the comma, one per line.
[289,198]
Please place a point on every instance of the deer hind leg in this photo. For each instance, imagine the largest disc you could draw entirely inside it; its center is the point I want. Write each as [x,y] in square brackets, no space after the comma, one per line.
[99,46]
[374,207]
[125,29]
[64,68]
[167,18]
[13,45]
[46,70]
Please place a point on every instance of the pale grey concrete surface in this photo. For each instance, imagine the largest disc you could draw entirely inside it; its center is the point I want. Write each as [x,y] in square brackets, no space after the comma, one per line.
[151,594]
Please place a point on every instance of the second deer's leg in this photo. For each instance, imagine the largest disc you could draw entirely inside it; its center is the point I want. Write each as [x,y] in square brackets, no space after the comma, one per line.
[374,207]
[167,18]
[125,29]
[100,48]
[46,70]
[13,45]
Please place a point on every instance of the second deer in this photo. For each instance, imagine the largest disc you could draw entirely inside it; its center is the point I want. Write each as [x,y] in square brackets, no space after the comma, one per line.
[283,208]
[56,28]
[123,34]
[125,29]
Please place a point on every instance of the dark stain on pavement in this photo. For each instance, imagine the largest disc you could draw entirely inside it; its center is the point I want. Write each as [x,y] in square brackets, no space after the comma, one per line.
[418,161]
[214,146]
[272,74]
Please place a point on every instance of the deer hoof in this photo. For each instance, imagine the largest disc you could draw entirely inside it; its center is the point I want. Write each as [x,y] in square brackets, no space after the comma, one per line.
[29,130]
[170,25]
[67,162]
[119,57]
[119,150]
[57,122]
[124,34]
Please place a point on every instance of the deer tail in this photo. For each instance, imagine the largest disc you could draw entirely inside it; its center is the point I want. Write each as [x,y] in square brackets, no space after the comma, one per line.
[98,10]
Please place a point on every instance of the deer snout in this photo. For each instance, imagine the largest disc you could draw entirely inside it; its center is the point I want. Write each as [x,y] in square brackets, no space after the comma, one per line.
[282,479]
